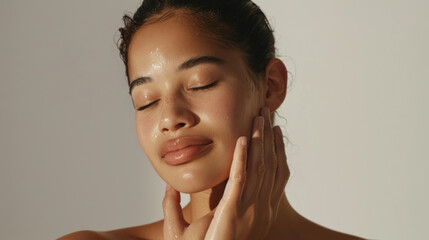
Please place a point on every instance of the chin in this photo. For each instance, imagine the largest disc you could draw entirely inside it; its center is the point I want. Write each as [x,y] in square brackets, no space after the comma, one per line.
[197,175]
[191,182]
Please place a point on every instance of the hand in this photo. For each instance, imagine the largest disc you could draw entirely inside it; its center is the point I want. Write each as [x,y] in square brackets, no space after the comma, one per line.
[251,199]
[175,225]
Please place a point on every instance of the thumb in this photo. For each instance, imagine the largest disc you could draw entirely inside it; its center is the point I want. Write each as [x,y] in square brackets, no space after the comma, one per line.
[174,222]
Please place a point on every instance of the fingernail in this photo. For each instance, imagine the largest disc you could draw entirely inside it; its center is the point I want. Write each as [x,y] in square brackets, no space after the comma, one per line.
[267,112]
[278,131]
[244,141]
[279,135]
[167,187]
[260,123]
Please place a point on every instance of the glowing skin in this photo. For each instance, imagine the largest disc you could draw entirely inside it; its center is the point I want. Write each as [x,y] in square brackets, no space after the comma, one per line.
[220,113]
[195,111]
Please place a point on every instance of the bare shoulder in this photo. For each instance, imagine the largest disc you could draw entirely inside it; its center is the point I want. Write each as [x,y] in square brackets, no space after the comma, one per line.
[143,232]
[344,236]
[308,229]
[322,233]
[84,235]
[149,231]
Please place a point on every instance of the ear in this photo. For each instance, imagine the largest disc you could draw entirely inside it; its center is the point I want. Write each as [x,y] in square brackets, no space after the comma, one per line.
[276,84]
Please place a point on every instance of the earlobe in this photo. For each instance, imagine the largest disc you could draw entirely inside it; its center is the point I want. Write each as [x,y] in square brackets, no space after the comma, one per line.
[276,84]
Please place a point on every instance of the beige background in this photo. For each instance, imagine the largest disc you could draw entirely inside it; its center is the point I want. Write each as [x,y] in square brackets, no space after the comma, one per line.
[357,115]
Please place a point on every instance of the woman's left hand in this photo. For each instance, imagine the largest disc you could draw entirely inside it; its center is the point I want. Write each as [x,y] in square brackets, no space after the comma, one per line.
[251,199]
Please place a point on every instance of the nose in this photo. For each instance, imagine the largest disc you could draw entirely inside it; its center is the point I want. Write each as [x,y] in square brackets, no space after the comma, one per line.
[176,114]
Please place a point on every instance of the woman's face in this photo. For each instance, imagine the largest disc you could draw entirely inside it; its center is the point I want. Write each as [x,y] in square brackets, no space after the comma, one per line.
[193,99]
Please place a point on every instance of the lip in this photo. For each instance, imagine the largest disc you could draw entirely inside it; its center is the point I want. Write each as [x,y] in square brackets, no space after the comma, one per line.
[184,149]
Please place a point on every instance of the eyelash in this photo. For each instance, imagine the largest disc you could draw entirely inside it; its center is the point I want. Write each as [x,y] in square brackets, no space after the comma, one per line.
[192,89]
[147,106]
[204,87]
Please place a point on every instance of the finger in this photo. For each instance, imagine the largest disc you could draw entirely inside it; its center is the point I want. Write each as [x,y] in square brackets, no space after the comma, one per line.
[220,226]
[200,228]
[255,162]
[174,222]
[228,207]
[283,172]
[270,159]
[237,175]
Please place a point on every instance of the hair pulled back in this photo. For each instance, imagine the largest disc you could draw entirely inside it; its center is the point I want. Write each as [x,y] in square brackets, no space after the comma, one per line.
[236,24]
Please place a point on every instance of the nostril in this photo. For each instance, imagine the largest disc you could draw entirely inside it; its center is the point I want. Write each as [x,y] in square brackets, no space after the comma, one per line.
[176,127]
[180,125]
[174,119]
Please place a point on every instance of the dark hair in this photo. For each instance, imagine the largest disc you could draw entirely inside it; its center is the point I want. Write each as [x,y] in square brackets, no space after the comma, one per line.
[233,23]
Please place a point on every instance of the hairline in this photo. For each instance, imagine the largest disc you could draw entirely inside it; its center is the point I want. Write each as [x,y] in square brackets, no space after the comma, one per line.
[189,15]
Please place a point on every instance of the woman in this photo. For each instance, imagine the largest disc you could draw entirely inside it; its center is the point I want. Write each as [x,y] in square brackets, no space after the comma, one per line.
[205,82]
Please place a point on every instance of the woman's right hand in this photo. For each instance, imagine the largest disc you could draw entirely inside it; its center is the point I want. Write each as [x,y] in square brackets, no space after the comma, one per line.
[175,225]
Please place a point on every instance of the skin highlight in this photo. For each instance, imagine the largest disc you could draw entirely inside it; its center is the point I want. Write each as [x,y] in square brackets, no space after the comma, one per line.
[221,113]
[178,103]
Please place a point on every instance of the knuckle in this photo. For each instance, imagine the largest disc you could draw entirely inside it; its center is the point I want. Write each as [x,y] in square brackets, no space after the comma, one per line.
[284,179]
[239,178]
[265,218]
[167,202]
[257,140]
[260,171]
[287,173]
[274,164]
[232,210]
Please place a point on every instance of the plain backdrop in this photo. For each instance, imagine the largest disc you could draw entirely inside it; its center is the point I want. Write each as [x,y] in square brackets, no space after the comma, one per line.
[356,116]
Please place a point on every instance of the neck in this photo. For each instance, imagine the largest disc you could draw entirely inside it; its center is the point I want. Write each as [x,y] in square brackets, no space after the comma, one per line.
[287,221]
[203,202]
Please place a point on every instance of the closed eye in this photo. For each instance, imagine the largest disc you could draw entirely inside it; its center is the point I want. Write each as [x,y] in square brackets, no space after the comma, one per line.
[147,105]
[193,89]
[204,87]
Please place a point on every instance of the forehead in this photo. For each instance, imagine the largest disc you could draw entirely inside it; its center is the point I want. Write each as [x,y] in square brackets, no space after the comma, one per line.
[171,42]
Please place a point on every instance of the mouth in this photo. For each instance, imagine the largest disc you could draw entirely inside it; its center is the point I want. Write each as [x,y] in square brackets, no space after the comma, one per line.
[185,149]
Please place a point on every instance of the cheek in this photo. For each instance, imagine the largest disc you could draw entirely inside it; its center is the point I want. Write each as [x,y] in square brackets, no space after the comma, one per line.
[229,116]
[235,112]
[145,130]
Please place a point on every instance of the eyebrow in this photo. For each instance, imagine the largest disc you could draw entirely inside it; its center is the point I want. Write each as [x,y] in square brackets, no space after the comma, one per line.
[186,65]
[200,60]
[139,81]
